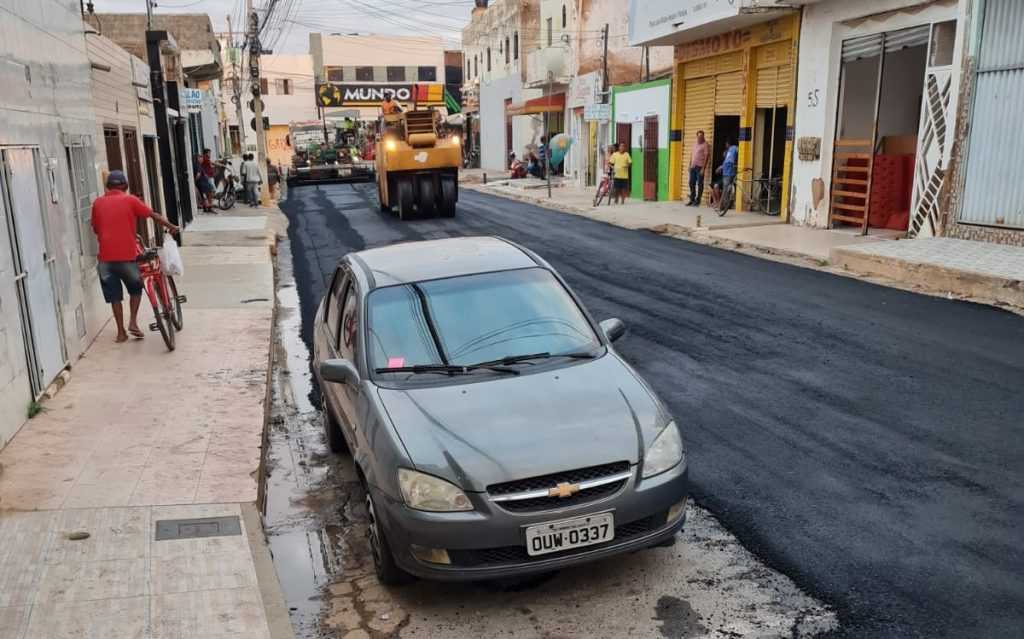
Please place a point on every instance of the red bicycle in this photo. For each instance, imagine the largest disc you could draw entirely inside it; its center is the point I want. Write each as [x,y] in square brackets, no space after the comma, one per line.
[162,294]
[604,189]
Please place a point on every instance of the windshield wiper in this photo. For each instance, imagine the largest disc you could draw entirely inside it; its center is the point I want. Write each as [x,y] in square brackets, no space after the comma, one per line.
[447,369]
[519,359]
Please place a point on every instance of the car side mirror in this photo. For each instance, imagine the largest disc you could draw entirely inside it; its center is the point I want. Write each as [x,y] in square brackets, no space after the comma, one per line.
[339,371]
[613,328]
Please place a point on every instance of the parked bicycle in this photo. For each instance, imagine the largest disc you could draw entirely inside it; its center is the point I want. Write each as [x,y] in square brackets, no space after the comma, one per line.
[604,189]
[162,293]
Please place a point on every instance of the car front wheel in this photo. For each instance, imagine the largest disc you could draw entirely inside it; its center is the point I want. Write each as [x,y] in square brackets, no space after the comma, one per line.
[388,572]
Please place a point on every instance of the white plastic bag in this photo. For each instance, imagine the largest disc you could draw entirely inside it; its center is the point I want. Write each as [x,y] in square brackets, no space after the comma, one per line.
[170,258]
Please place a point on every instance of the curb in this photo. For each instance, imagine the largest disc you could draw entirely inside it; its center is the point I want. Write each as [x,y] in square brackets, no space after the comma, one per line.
[941,280]
[948,283]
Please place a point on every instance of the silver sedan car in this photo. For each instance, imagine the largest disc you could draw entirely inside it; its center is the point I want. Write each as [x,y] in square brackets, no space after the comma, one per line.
[493,425]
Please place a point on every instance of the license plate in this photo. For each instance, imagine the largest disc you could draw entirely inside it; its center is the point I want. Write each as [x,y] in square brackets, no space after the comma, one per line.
[345,172]
[561,535]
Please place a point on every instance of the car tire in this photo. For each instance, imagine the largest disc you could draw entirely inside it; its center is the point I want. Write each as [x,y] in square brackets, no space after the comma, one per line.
[388,572]
[332,431]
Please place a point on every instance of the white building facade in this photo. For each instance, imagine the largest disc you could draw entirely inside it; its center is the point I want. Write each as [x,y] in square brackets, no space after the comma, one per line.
[878,90]
[494,46]
[47,185]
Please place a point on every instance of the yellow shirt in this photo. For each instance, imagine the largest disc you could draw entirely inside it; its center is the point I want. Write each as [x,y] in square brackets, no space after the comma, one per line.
[620,162]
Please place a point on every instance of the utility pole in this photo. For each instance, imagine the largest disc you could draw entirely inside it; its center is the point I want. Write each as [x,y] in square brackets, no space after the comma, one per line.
[604,65]
[547,135]
[236,87]
[647,63]
[255,48]
[149,15]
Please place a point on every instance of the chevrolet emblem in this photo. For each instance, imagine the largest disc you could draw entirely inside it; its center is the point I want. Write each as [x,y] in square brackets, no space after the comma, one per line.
[564,490]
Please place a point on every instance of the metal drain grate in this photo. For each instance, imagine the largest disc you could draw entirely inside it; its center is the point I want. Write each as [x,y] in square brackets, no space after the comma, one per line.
[194,528]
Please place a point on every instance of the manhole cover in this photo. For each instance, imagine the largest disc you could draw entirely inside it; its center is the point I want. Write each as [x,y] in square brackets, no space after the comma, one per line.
[195,528]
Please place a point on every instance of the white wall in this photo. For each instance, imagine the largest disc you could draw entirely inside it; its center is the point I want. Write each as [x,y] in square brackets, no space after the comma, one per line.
[821,35]
[45,100]
[382,50]
[634,106]
[525,130]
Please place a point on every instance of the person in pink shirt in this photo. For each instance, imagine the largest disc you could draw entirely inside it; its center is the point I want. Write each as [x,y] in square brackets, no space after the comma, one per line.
[698,164]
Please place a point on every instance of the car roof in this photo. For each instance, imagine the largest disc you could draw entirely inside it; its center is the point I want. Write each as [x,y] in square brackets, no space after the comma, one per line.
[435,259]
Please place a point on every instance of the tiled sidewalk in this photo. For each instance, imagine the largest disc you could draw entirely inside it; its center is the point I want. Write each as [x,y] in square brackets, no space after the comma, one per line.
[141,435]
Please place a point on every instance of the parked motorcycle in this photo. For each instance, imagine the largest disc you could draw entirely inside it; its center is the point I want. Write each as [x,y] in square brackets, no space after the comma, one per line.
[228,187]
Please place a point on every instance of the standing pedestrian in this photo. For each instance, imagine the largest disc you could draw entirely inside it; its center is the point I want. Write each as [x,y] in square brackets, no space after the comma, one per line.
[253,180]
[620,163]
[114,217]
[204,180]
[728,171]
[241,173]
[698,164]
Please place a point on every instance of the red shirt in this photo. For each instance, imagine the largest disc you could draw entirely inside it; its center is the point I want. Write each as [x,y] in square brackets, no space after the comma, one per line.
[113,220]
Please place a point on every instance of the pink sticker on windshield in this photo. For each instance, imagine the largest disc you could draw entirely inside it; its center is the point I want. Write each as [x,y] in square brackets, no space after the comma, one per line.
[396,362]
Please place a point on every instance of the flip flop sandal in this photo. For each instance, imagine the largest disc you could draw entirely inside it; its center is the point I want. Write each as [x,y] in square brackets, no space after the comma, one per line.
[136,333]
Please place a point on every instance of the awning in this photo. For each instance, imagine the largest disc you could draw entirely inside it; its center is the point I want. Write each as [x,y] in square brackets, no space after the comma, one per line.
[554,103]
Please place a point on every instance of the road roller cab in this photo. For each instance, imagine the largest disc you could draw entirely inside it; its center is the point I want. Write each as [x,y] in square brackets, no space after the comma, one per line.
[417,170]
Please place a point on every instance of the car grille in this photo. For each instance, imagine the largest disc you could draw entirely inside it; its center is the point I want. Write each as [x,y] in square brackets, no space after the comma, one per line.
[518,554]
[544,482]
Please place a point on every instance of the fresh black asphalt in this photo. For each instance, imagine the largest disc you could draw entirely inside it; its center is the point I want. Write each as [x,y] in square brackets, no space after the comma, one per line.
[866,441]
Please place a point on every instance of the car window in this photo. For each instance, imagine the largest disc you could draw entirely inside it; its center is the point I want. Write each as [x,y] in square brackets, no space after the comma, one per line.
[349,324]
[331,305]
[475,318]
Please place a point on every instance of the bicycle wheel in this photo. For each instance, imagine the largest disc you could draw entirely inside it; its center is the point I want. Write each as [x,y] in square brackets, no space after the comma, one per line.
[728,194]
[177,317]
[164,325]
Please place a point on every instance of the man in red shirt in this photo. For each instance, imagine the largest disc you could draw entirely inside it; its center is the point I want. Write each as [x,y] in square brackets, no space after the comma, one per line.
[114,215]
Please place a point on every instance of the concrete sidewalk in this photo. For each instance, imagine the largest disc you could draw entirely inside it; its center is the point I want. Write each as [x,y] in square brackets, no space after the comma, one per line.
[983,272]
[138,440]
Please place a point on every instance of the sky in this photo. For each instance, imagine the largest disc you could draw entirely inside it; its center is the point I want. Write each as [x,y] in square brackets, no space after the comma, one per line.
[292,21]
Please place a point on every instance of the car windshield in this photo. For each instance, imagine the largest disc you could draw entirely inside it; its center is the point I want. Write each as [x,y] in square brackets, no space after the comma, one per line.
[464,320]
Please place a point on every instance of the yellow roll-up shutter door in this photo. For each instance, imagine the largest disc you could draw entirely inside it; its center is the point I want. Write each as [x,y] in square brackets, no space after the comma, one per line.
[729,93]
[774,86]
[698,115]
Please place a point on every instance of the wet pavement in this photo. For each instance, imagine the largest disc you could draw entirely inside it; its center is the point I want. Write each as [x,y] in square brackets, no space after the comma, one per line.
[858,439]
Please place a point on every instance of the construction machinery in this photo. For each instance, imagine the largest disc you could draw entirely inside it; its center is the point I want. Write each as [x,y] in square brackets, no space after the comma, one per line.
[317,159]
[417,169]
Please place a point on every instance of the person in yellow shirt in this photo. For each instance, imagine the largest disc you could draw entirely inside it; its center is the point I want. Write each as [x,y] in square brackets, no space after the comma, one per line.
[619,164]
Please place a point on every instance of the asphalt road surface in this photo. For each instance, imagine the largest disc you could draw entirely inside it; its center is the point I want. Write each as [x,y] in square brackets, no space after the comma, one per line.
[865,441]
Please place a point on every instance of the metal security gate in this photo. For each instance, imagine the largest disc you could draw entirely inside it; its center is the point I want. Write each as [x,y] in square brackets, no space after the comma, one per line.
[994,191]
[33,267]
[651,157]
[113,146]
[698,115]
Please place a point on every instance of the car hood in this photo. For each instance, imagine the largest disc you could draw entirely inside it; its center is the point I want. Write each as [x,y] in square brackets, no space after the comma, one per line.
[514,427]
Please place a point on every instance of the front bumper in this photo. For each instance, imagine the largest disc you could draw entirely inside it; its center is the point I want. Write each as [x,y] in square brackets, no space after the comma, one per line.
[490,542]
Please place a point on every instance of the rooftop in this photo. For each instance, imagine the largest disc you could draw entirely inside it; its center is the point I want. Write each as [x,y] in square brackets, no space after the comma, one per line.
[436,259]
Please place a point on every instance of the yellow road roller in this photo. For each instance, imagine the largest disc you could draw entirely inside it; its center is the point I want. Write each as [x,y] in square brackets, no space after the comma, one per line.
[417,171]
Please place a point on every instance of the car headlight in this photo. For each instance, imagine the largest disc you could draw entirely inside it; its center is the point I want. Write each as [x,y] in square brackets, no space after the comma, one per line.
[665,452]
[390,145]
[456,139]
[425,492]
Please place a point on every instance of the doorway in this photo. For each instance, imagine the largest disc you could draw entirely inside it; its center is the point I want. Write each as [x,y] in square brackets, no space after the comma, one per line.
[880,96]
[769,147]
[508,135]
[726,131]
[33,266]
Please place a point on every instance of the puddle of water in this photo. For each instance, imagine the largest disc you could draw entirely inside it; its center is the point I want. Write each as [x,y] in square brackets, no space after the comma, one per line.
[306,488]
